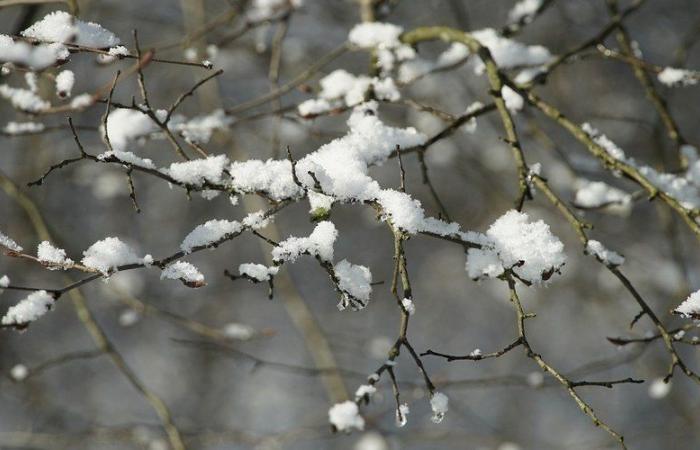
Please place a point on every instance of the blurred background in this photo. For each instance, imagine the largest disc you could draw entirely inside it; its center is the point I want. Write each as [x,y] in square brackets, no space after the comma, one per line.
[238,371]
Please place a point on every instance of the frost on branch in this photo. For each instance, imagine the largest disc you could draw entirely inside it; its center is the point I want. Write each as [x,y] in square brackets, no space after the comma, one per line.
[59,26]
[109,254]
[527,248]
[54,257]
[28,310]
[345,416]
[319,243]
[8,244]
[355,283]
[185,272]
[690,307]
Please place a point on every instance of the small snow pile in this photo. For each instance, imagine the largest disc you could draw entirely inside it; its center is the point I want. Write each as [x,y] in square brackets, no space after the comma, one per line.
[64,83]
[198,130]
[607,257]
[34,57]
[28,310]
[7,243]
[257,272]
[19,372]
[319,243]
[673,77]
[408,306]
[527,248]
[365,391]
[524,11]
[345,416]
[659,388]
[209,233]
[355,282]
[126,126]
[690,307]
[597,194]
[59,26]
[199,171]
[23,99]
[403,211]
[238,331]
[109,254]
[4,282]
[439,403]
[52,256]
[127,158]
[265,9]
[184,271]
[272,177]
[384,37]
[19,128]
[402,413]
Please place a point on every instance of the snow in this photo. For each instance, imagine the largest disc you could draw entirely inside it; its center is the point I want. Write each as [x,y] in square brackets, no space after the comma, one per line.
[319,203]
[403,211]
[690,307]
[602,140]
[508,53]
[238,331]
[4,281]
[596,194]
[8,243]
[319,243]
[199,129]
[23,99]
[119,50]
[258,272]
[125,126]
[197,172]
[659,388]
[19,372]
[256,220]
[29,309]
[439,404]
[670,76]
[34,57]
[524,10]
[59,26]
[82,101]
[182,270]
[64,83]
[129,317]
[476,353]
[345,416]
[263,9]
[272,177]
[209,233]
[402,413]
[18,128]
[607,257]
[353,280]
[47,253]
[371,441]
[409,306]
[514,102]
[375,34]
[127,157]
[364,390]
[109,254]
[529,249]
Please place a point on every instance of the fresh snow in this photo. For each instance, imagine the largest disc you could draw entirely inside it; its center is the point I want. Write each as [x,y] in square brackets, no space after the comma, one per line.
[28,310]
[319,243]
[47,253]
[111,253]
[608,257]
[690,307]
[59,26]
[345,416]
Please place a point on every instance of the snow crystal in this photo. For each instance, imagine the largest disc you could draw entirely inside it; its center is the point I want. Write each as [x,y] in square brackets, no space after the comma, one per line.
[110,253]
[353,280]
[258,272]
[409,306]
[659,388]
[439,405]
[182,270]
[29,309]
[608,257]
[8,243]
[209,233]
[671,76]
[690,307]
[64,83]
[23,99]
[59,26]
[345,416]
[47,253]
[528,248]
[318,243]
[199,171]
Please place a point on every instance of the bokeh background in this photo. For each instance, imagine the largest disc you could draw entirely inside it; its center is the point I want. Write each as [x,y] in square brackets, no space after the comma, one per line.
[263,392]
